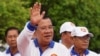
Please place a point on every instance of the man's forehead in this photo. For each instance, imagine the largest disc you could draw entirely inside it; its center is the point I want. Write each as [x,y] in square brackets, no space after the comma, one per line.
[45,21]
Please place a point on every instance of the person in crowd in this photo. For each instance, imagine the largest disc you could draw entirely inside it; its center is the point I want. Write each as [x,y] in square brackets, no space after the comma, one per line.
[43,44]
[65,32]
[11,35]
[81,37]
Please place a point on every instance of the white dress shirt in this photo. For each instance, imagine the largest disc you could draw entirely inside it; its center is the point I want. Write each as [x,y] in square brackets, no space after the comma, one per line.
[86,53]
[8,53]
[29,47]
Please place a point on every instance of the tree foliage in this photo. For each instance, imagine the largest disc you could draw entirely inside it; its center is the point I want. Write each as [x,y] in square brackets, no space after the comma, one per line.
[12,13]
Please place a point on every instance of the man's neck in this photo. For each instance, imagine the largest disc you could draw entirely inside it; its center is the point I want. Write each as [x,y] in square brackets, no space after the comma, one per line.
[79,51]
[13,50]
[67,44]
[44,46]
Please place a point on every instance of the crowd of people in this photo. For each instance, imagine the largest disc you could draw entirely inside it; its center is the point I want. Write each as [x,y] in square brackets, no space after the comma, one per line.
[36,38]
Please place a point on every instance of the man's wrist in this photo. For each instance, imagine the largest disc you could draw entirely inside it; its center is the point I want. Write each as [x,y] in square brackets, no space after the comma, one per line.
[31,27]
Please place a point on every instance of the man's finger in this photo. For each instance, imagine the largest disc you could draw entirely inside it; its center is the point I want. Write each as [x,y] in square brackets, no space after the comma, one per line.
[35,6]
[43,13]
[39,5]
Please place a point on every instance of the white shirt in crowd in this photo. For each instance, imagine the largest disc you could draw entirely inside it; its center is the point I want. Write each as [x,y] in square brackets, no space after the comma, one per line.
[29,47]
[98,54]
[8,53]
[0,53]
[60,41]
[86,53]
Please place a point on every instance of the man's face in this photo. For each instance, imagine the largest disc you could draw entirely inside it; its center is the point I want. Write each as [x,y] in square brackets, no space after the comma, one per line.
[11,38]
[45,31]
[67,36]
[81,42]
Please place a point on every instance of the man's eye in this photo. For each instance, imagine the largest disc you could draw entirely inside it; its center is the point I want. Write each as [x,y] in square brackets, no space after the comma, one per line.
[43,28]
[9,36]
[50,27]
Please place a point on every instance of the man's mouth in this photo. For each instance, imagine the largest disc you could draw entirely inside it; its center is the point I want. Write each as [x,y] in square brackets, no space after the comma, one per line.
[47,36]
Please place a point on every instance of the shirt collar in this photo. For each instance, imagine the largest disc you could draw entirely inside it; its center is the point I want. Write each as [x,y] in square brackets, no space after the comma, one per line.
[51,44]
[8,51]
[74,53]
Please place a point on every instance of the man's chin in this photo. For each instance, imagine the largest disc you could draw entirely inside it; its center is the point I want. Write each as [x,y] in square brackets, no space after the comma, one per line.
[13,46]
[84,48]
[48,40]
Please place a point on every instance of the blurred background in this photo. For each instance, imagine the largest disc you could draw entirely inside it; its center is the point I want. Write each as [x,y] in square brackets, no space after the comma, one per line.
[81,12]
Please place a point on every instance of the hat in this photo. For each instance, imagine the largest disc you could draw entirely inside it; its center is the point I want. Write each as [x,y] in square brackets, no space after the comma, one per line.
[67,26]
[81,31]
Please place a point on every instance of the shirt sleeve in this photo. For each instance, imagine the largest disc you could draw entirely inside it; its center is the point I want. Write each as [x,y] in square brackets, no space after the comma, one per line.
[25,37]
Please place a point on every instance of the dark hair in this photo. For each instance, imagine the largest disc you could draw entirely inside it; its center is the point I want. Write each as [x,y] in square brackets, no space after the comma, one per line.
[11,28]
[43,8]
[46,16]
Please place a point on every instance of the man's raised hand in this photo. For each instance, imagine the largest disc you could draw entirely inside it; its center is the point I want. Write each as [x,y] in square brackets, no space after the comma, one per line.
[35,15]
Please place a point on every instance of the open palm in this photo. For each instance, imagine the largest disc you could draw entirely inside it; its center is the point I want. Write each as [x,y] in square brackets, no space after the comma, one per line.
[35,16]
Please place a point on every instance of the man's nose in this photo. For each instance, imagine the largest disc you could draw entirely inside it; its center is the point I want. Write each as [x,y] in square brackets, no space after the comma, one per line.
[13,38]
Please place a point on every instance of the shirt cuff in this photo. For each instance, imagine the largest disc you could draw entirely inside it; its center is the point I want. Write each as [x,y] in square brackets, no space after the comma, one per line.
[31,27]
